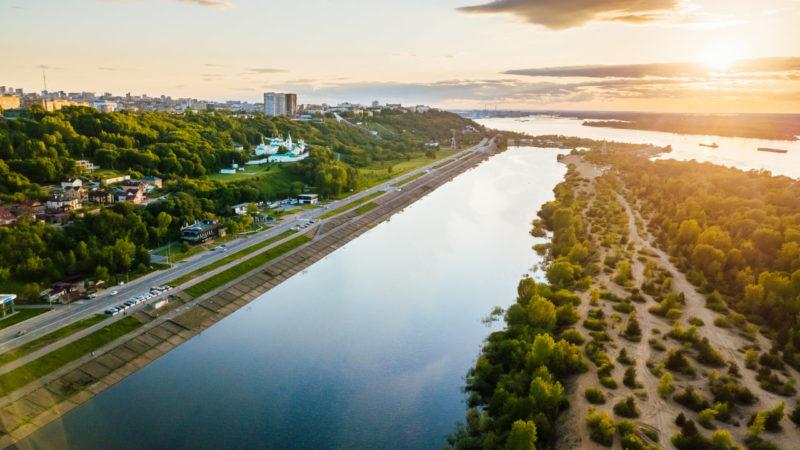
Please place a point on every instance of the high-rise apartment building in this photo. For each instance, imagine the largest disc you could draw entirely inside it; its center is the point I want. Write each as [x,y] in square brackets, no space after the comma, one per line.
[291,104]
[280,104]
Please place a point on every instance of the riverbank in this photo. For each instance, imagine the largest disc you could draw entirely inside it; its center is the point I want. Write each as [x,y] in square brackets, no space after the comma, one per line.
[33,406]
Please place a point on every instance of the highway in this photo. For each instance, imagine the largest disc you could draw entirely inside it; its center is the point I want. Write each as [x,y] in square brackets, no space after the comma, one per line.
[63,315]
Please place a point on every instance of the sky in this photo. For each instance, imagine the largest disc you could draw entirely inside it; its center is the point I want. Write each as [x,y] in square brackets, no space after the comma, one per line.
[646,55]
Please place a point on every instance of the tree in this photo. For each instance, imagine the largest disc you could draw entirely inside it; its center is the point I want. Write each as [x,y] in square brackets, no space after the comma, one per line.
[665,387]
[522,436]
[601,427]
[101,273]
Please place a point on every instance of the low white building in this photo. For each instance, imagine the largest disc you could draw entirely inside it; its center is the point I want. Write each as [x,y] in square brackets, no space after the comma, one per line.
[308,199]
[241,208]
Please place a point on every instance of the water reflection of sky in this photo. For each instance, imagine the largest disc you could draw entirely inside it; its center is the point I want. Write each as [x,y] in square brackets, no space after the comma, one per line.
[734,152]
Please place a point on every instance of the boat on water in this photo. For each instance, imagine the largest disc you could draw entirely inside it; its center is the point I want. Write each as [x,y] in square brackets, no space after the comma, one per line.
[711,145]
[773,150]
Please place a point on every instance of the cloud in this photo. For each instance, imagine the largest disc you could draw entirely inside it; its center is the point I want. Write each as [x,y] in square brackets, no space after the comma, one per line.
[215,4]
[262,70]
[541,94]
[664,70]
[563,14]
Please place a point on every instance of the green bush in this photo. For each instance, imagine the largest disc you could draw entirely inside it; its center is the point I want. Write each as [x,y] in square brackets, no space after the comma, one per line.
[595,396]
[601,428]
[626,408]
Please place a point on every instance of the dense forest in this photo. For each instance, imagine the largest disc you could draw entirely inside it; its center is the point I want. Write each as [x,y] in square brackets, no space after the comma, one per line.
[735,233]
[183,149]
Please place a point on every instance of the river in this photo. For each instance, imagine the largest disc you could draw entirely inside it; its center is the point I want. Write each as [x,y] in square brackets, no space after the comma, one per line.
[367,348]
[733,152]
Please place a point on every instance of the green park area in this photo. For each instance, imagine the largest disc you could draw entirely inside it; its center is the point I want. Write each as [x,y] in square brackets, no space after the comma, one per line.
[351,205]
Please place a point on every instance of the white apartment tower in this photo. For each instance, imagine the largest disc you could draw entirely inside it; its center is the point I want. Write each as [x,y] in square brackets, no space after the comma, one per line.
[275,104]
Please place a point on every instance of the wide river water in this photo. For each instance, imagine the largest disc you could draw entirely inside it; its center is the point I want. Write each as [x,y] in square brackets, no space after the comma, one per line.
[367,348]
[734,152]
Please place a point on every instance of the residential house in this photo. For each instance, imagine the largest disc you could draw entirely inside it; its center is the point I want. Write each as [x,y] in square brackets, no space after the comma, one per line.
[102,197]
[6,217]
[135,196]
[240,209]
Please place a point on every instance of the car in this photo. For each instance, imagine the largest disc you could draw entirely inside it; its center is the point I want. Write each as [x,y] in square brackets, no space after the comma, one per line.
[114,293]
[223,245]
[21,333]
[92,296]
[213,248]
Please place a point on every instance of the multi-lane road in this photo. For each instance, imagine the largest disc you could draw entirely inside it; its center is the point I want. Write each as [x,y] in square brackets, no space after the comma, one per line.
[63,315]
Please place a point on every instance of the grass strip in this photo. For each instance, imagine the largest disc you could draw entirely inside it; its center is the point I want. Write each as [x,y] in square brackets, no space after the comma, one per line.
[40,367]
[439,166]
[366,207]
[409,179]
[20,316]
[351,205]
[47,339]
[228,259]
[246,266]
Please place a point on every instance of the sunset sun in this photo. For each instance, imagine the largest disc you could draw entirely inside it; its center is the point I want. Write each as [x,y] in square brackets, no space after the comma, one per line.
[722,56]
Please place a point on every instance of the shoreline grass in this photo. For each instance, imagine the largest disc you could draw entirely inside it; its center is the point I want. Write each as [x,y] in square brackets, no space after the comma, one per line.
[439,166]
[245,266]
[32,371]
[350,205]
[228,259]
[366,207]
[409,179]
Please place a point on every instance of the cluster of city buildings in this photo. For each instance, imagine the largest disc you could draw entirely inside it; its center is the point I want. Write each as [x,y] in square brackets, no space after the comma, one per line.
[73,194]
[11,98]
[274,104]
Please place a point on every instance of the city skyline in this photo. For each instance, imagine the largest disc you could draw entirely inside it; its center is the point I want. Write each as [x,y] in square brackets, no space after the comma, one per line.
[665,55]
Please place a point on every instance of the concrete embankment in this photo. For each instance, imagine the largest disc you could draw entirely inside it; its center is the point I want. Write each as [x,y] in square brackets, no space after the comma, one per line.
[31,407]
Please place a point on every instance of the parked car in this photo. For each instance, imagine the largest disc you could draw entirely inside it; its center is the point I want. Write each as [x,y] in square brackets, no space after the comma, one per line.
[92,296]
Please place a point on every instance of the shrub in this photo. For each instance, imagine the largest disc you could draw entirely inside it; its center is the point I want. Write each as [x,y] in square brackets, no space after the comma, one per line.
[601,427]
[633,331]
[665,386]
[624,358]
[626,408]
[751,359]
[657,344]
[795,415]
[721,439]
[629,379]
[706,418]
[770,418]
[573,336]
[595,396]
[608,382]
[689,438]
[696,321]
[677,362]
[727,389]
[722,322]
[691,399]
[771,360]
[707,355]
